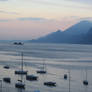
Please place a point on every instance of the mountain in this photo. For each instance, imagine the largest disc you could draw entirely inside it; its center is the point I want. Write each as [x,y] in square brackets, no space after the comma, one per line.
[75,34]
[80,28]
[88,37]
[53,37]
[58,37]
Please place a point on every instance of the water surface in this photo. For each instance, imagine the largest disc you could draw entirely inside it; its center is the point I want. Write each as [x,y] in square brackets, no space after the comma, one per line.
[58,58]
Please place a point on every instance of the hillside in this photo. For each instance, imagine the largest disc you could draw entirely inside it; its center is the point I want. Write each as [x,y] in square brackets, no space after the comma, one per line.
[88,37]
[80,28]
[78,33]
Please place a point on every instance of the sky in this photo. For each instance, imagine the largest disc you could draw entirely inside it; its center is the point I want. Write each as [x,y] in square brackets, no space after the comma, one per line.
[31,19]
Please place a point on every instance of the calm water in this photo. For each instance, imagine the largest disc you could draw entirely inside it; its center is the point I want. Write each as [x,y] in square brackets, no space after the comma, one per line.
[59,59]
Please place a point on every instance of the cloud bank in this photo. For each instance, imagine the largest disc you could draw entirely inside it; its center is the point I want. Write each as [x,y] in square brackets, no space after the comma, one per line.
[4,20]
[3,0]
[82,1]
[6,12]
[31,19]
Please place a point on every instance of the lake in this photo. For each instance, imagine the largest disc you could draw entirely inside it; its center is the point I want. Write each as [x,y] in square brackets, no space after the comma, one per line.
[59,59]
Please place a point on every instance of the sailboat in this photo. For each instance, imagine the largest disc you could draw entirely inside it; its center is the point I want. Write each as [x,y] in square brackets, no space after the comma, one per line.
[21,72]
[31,77]
[43,71]
[7,80]
[65,76]
[20,83]
[85,82]
[6,67]
[50,84]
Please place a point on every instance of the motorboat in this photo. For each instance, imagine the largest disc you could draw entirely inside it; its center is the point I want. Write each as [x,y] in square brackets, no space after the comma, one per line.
[7,80]
[50,84]
[31,78]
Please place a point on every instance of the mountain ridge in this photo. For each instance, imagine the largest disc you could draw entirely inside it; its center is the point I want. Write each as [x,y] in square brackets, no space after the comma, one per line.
[81,27]
[74,34]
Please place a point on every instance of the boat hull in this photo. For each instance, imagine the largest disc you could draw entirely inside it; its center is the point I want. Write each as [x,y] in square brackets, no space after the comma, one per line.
[21,72]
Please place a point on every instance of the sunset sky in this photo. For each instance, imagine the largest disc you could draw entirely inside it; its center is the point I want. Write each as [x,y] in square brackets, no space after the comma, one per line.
[29,19]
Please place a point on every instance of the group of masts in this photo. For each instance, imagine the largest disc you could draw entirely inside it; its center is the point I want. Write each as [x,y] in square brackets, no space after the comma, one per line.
[21,72]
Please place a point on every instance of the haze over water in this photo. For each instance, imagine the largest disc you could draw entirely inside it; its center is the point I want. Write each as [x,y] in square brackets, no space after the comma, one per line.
[59,59]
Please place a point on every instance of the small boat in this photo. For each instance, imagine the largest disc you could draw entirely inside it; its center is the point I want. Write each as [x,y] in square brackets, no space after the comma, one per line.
[65,76]
[15,43]
[50,84]
[43,71]
[6,67]
[21,72]
[31,78]
[18,43]
[7,80]
[20,85]
[85,82]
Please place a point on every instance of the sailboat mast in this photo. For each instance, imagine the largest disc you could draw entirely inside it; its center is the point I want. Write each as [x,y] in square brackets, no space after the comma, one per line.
[21,65]
[69,81]
[22,61]
[44,65]
[86,74]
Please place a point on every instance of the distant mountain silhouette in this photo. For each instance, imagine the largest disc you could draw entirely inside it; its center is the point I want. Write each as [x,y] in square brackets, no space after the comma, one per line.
[52,37]
[88,37]
[79,28]
[78,33]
